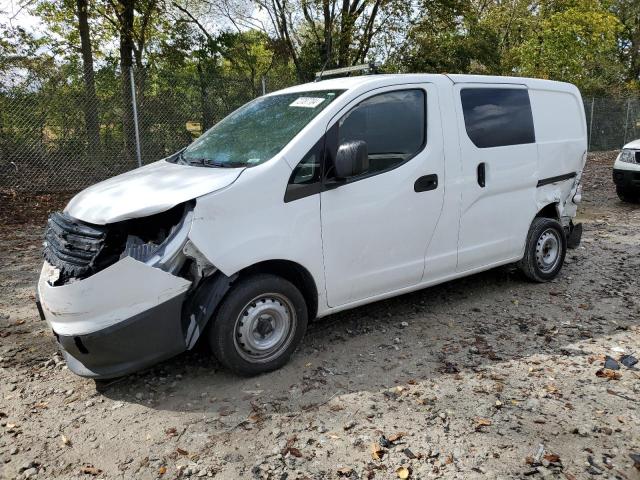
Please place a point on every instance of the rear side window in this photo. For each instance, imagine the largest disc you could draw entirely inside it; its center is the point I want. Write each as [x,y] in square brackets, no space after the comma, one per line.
[497,117]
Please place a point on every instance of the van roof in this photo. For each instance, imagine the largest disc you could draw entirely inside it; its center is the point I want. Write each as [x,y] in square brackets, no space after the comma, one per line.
[348,83]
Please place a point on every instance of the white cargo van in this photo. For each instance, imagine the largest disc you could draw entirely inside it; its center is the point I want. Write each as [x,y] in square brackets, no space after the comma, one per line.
[308,201]
[626,172]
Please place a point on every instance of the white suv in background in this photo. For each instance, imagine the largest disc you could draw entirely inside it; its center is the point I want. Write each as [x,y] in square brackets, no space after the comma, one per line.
[626,172]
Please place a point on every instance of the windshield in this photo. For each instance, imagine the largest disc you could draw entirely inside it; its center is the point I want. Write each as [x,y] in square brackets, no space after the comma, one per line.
[257,131]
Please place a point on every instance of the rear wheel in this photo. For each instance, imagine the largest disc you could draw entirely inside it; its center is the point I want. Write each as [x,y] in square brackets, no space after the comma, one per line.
[627,195]
[544,251]
[258,325]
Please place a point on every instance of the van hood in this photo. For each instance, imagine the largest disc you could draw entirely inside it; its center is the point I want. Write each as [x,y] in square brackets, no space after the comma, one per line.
[145,191]
[634,145]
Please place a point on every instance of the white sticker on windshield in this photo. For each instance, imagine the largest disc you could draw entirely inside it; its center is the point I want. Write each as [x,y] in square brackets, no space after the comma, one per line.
[307,102]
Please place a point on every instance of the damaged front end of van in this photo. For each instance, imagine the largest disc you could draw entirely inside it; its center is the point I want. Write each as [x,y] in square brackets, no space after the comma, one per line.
[120,286]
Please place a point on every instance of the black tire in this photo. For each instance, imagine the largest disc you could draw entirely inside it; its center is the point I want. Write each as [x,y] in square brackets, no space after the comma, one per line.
[261,298]
[627,195]
[539,263]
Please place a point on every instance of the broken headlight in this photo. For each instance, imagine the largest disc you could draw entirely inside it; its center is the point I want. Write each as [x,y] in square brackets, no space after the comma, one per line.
[78,250]
[158,240]
[629,156]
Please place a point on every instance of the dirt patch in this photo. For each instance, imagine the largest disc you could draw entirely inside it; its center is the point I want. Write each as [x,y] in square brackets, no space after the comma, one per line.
[484,377]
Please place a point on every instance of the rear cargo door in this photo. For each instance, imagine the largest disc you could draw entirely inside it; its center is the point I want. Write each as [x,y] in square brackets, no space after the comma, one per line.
[499,172]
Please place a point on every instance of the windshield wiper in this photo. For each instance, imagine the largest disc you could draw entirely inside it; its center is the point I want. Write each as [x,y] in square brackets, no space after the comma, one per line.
[204,162]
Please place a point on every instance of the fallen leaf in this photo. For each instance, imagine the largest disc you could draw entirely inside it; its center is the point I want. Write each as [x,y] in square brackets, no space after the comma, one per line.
[409,454]
[90,470]
[482,422]
[377,452]
[255,418]
[345,471]
[403,472]
[552,457]
[181,451]
[608,374]
[396,436]
[162,470]
[295,452]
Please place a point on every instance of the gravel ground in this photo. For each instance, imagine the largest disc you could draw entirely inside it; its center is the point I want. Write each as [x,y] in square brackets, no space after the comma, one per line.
[484,377]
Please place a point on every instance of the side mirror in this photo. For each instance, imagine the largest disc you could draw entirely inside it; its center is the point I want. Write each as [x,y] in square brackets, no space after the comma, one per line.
[352,159]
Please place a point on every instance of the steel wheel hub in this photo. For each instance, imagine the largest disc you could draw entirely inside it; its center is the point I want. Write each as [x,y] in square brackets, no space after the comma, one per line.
[264,328]
[548,250]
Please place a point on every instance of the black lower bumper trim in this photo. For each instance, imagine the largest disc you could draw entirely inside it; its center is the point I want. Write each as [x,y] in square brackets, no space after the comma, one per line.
[627,179]
[130,345]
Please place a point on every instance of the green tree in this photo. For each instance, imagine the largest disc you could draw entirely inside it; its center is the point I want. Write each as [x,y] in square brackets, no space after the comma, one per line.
[575,43]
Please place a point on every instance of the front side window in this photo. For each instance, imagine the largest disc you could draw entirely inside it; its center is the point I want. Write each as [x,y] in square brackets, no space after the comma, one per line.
[305,178]
[392,124]
[257,131]
[496,117]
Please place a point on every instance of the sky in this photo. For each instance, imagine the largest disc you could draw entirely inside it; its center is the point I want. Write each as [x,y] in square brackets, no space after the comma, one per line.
[12,12]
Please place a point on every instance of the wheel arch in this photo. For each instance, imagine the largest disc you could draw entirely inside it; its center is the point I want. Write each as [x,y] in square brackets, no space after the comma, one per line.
[550,210]
[295,273]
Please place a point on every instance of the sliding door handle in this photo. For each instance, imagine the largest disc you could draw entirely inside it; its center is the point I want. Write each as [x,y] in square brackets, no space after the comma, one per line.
[482,174]
[425,183]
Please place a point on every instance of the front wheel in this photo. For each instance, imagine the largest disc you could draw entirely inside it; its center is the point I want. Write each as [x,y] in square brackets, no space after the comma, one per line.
[258,325]
[544,251]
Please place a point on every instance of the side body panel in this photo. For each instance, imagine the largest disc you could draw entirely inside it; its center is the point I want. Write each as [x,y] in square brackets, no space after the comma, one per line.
[494,219]
[561,136]
[441,256]
[375,230]
[250,223]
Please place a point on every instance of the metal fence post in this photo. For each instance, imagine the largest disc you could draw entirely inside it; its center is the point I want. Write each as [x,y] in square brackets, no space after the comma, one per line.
[264,85]
[135,116]
[593,99]
[626,122]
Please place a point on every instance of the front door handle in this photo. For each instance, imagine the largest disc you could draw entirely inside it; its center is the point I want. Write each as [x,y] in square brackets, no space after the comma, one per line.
[482,181]
[426,182]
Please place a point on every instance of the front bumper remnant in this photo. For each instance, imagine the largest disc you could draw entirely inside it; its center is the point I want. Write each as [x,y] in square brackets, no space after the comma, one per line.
[130,345]
[627,179]
[121,319]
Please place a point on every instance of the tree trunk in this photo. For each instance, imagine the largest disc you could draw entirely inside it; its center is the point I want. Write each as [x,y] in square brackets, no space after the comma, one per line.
[91,116]
[126,15]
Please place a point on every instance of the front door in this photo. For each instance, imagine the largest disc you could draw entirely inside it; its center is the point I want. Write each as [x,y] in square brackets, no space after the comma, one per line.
[499,172]
[376,227]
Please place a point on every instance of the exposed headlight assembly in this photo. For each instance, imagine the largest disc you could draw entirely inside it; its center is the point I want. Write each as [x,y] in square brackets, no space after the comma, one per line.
[162,249]
[629,156]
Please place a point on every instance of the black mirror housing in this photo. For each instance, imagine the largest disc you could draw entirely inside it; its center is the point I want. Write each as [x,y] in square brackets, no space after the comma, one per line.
[352,159]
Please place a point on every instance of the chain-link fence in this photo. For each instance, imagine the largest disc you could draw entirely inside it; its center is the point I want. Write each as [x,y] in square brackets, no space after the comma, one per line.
[612,121]
[60,140]
[54,138]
